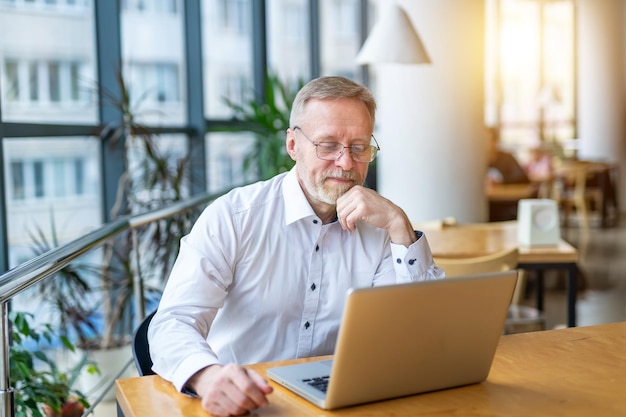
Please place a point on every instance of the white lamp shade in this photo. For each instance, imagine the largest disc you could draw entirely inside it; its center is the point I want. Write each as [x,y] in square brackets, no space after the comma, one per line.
[393,40]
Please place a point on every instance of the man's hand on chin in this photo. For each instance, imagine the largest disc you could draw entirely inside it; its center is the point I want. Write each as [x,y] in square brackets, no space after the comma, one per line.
[363,204]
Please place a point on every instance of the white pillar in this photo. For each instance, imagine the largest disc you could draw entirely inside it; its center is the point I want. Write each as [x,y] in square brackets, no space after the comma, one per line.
[430,119]
[601,82]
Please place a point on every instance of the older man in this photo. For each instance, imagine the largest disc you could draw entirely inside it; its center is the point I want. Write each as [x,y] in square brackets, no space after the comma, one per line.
[264,272]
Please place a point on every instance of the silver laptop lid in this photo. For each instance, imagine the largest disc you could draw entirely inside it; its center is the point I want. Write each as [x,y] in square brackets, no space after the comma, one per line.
[410,338]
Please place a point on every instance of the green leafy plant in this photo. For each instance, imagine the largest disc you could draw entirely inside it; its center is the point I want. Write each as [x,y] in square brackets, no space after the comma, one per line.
[95,299]
[41,388]
[154,177]
[268,121]
[68,292]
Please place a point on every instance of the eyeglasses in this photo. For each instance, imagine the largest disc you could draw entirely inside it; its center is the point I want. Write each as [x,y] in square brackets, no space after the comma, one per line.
[331,151]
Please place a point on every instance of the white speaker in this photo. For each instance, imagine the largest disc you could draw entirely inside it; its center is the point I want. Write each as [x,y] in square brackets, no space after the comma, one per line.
[538,222]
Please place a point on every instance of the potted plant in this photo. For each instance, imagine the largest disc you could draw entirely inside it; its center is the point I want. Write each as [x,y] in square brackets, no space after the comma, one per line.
[100,315]
[154,177]
[268,121]
[41,388]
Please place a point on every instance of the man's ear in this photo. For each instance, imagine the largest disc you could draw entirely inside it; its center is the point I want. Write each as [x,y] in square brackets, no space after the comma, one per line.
[290,144]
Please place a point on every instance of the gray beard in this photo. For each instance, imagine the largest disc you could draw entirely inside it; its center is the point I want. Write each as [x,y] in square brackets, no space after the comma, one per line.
[319,192]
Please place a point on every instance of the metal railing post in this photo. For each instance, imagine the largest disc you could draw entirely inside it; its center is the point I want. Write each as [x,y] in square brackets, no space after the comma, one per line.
[43,266]
[138,280]
[7,401]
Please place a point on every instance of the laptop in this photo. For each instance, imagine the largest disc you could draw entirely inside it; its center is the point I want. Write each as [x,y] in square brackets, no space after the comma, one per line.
[406,339]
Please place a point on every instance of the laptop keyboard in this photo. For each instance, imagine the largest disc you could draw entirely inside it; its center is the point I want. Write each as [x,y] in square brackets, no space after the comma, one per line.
[321,382]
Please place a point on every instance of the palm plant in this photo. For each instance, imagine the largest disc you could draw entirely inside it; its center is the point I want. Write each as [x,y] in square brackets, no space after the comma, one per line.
[68,292]
[267,120]
[153,178]
[96,301]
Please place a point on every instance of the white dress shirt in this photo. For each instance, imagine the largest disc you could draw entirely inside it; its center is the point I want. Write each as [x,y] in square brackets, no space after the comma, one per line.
[261,271]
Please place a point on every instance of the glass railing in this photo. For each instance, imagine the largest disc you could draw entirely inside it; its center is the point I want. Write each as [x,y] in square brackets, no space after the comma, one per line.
[44,266]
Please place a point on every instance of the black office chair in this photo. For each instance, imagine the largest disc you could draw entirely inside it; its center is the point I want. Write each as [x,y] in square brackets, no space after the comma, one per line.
[141,351]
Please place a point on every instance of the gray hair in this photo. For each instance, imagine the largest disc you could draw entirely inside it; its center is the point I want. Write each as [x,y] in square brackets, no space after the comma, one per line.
[331,88]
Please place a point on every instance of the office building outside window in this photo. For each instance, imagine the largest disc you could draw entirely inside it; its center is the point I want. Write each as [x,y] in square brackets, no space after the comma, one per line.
[47,62]
[49,76]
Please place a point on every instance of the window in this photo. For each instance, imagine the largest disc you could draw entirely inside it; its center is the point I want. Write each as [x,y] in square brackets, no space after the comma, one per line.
[12,81]
[17,180]
[166,6]
[227,27]
[154,61]
[49,70]
[154,82]
[344,15]
[59,178]
[296,23]
[33,85]
[288,39]
[67,178]
[74,81]
[233,16]
[54,82]
[167,82]
[155,6]
[47,5]
[33,81]
[233,87]
[340,39]
[38,179]
[79,176]
[530,72]
[47,61]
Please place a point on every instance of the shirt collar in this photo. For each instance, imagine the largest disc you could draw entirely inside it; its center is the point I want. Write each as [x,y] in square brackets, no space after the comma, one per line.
[297,207]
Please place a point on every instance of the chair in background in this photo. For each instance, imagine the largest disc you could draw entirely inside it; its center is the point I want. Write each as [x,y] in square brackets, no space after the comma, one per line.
[574,189]
[503,260]
[141,351]
[520,318]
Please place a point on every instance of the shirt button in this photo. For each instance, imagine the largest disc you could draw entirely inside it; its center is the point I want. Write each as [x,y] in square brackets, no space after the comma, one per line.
[307,325]
[315,221]
[412,261]
[313,287]
[317,247]
[399,260]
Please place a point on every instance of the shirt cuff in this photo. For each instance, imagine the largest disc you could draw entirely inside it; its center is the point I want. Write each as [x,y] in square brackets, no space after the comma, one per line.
[188,368]
[415,262]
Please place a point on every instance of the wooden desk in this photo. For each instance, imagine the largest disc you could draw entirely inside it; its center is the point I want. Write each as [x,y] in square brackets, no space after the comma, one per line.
[569,372]
[483,238]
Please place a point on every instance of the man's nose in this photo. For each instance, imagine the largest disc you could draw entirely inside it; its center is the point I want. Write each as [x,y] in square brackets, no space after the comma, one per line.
[345,160]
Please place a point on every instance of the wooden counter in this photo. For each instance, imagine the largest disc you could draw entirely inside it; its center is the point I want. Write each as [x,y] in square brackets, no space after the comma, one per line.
[569,372]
